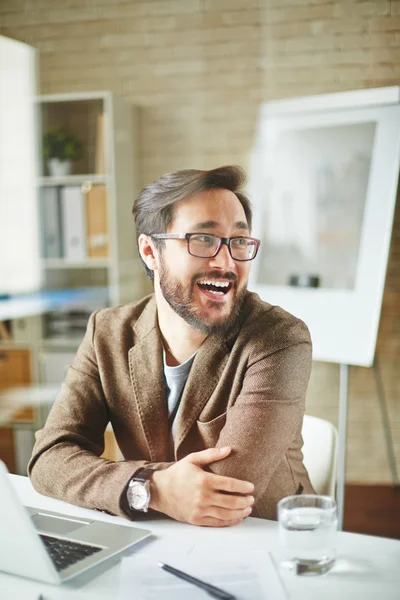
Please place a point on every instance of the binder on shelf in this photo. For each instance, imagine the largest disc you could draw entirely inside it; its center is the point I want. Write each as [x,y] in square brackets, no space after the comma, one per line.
[74,227]
[51,223]
[99,154]
[96,222]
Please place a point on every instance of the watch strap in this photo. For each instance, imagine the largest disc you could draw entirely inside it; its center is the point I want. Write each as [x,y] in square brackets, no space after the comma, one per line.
[143,474]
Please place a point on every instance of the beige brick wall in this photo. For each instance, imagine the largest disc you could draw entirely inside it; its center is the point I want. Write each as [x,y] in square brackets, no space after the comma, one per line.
[199,69]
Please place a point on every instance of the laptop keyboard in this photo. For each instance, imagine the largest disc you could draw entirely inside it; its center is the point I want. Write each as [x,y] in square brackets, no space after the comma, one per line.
[64,553]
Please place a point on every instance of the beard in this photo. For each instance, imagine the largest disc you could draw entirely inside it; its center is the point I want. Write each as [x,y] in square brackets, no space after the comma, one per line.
[181,300]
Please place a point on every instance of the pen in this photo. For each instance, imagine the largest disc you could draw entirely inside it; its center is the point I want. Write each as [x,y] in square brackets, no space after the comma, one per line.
[207,587]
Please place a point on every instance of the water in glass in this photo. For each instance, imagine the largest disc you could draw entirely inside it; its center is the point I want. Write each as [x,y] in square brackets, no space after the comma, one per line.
[307,534]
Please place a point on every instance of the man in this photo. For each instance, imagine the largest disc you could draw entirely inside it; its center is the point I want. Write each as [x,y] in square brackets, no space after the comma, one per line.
[204,383]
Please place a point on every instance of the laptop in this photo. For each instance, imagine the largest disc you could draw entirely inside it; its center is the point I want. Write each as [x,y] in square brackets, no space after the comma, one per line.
[52,547]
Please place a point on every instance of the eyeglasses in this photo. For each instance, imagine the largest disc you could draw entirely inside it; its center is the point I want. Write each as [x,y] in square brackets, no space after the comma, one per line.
[207,245]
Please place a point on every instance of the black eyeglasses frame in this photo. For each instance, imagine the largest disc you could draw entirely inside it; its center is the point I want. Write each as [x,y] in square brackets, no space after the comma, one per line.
[222,240]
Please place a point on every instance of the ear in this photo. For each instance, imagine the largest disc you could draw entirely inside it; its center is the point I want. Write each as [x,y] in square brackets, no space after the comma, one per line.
[147,251]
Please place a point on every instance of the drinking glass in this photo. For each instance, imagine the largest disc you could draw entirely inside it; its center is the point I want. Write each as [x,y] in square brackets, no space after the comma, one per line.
[307,533]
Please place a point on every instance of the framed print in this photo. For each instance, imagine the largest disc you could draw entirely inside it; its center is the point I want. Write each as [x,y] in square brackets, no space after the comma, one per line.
[323,182]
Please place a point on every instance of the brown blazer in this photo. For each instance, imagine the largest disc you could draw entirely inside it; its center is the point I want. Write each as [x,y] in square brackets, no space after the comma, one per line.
[246,390]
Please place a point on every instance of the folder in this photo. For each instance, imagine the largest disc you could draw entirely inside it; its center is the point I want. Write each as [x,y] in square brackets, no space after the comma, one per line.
[74,227]
[97,222]
[99,153]
[51,223]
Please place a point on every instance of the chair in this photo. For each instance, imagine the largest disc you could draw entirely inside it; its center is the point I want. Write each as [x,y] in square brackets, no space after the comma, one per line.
[320,452]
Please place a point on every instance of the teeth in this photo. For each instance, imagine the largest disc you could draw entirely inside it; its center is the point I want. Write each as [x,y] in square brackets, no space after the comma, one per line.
[223,284]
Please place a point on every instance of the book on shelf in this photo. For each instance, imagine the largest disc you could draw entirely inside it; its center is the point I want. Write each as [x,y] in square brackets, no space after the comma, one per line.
[51,223]
[74,223]
[99,167]
[97,222]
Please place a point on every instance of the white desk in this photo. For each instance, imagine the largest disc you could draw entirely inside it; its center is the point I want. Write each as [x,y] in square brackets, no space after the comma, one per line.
[368,567]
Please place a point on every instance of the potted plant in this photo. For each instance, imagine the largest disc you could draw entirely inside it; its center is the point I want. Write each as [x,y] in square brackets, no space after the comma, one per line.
[60,148]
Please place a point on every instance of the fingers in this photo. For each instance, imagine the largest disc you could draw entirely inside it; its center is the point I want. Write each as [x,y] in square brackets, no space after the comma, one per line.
[220,506]
[230,484]
[213,522]
[231,502]
[225,514]
[205,457]
[205,498]
[202,514]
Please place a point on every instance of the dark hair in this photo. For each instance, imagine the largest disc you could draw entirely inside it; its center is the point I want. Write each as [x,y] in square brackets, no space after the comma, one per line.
[153,209]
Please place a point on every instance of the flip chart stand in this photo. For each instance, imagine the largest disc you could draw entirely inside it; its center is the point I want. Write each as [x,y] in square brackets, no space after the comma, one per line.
[385,424]
[341,472]
[343,408]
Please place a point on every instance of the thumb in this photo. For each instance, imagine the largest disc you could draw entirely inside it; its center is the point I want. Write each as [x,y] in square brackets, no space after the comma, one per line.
[205,457]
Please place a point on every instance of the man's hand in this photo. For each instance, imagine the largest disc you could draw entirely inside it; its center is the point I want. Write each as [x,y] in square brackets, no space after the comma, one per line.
[187,493]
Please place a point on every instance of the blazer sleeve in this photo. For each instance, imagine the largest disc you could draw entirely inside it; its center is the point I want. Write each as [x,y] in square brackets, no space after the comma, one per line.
[66,462]
[261,424]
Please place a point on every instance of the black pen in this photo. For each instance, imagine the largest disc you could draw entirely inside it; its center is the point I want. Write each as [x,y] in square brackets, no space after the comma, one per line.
[207,587]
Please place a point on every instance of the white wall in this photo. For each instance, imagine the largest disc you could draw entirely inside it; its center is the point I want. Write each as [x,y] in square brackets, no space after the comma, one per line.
[19,239]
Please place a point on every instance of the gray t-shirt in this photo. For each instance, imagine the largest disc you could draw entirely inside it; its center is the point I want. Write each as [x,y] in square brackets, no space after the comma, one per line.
[175,380]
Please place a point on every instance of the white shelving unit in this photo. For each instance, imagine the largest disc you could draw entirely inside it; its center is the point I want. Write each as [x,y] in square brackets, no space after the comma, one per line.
[119,271]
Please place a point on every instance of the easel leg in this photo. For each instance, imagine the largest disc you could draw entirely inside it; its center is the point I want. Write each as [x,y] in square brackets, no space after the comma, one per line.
[343,400]
[385,423]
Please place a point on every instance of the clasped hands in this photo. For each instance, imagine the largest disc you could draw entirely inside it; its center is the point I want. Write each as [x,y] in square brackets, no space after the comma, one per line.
[188,493]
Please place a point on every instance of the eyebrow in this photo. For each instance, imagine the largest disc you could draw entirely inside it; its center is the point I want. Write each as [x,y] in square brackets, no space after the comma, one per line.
[213,225]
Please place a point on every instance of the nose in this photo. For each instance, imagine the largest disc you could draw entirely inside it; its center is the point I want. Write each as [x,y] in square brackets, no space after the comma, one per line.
[223,259]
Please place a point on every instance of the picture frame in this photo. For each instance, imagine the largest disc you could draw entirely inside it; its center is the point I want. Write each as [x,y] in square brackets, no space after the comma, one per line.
[323,183]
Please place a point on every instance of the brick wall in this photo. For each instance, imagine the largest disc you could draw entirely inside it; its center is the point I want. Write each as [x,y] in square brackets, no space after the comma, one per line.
[199,70]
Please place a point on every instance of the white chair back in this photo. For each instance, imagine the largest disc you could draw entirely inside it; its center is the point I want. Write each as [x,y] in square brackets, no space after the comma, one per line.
[320,451]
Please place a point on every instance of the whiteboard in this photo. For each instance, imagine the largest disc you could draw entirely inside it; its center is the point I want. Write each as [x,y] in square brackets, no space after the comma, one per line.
[19,243]
[323,182]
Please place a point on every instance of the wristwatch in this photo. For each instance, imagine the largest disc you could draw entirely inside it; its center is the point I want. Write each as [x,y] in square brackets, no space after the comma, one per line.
[138,492]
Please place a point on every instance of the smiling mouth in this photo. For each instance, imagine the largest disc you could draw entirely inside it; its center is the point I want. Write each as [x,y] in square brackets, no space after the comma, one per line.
[218,288]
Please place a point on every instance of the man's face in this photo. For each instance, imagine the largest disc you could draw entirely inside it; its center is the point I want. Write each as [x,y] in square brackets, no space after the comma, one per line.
[187,282]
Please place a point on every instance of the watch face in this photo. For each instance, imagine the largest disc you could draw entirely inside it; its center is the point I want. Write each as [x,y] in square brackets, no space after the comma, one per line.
[138,496]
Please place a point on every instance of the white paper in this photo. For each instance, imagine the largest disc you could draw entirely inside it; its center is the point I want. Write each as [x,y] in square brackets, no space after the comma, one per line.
[250,578]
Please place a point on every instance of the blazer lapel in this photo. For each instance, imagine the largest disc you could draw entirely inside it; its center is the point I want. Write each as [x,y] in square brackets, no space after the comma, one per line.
[147,378]
[202,381]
